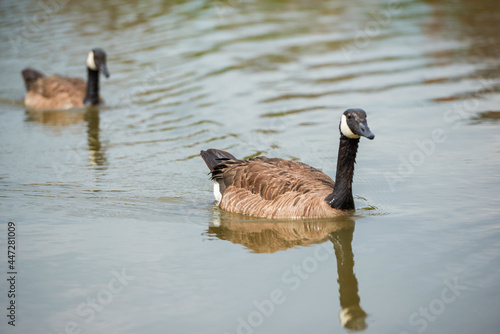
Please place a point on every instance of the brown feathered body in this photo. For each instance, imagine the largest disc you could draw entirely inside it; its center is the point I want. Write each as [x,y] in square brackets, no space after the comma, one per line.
[272,188]
[56,92]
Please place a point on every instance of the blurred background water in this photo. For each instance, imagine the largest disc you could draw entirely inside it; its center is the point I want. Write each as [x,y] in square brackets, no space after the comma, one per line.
[116,228]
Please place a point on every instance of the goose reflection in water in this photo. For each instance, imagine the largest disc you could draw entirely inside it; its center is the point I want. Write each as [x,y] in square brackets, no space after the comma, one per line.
[58,120]
[269,237]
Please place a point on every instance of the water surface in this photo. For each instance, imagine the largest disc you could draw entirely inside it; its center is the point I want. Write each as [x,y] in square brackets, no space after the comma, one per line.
[116,229]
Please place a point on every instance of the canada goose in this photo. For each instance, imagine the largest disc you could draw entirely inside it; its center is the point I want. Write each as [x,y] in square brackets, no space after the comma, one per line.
[278,188]
[57,92]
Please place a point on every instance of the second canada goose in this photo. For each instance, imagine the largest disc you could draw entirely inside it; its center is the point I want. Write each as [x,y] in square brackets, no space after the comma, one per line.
[278,188]
[58,92]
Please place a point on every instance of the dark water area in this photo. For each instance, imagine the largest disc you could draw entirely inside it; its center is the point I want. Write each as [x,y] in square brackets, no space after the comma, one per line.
[116,229]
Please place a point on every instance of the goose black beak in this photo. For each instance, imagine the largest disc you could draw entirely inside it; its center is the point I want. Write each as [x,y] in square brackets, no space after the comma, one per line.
[104,69]
[364,130]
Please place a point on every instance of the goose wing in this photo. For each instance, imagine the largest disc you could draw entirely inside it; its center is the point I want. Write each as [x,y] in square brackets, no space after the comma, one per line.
[271,178]
[56,92]
[55,85]
[273,188]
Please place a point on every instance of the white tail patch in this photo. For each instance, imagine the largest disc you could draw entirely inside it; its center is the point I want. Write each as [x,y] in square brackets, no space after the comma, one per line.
[346,130]
[90,62]
[217,193]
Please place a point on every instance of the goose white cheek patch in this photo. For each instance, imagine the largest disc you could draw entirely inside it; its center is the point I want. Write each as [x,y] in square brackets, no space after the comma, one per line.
[90,62]
[346,131]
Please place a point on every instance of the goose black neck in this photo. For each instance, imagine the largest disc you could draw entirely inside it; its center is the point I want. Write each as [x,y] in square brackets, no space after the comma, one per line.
[341,197]
[92,97]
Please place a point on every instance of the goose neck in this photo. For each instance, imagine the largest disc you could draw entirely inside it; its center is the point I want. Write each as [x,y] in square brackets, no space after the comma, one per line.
[92,96]
[341,197]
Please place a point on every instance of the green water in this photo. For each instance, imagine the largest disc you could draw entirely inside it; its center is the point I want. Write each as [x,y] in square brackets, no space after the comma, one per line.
[115,225]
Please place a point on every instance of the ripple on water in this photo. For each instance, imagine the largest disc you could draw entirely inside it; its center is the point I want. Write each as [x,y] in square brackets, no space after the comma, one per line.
[254,78]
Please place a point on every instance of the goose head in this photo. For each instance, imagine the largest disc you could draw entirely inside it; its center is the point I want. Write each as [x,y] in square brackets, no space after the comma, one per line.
[353,124]
[96,61]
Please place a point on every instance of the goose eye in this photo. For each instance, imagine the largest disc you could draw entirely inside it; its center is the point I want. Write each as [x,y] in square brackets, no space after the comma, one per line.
[349,116]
